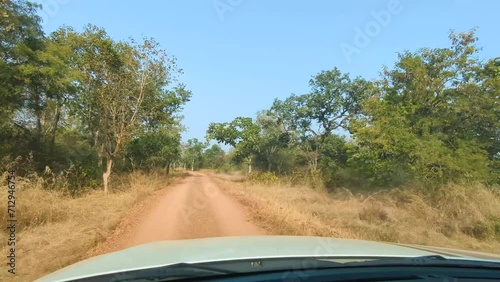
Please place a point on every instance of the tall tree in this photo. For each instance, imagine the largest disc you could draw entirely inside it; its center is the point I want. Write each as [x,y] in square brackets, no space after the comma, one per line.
[272,138]
[21,37]
[118,79]
[334,100]
[428,118]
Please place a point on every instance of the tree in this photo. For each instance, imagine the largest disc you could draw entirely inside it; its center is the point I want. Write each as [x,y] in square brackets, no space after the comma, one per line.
[71,98]
[37,79]
[333,157]
[272,139]
[193,153]
[428,118]
[118,79]
[21,37]
[154,149]
[214,157]
[487,127]
[334,100]
[241,133]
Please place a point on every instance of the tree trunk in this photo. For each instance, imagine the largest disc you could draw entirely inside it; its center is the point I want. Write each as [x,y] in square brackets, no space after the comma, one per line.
[107,174]
[100,153]
[54,129]
[249,161]
[38,126]
[269,157]
[168,168]
[192,166]
[316,158]
[132,163]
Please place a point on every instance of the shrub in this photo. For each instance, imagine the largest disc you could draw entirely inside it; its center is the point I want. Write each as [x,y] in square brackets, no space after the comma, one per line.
[495,226]
[263,177]
[479,230]
[374,212]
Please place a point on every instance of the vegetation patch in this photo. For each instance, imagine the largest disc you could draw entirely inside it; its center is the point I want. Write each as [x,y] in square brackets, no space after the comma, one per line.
[454,216]
[56,229]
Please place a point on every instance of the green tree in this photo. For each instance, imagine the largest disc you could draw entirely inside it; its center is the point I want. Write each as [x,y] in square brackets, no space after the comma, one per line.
[333,101]
[334,156]
[487,126]
[37,80]
[193,153]
[214,157]
[21,37]
[155,149]
[426,122]
[118,78]
[241,133]
[272,139]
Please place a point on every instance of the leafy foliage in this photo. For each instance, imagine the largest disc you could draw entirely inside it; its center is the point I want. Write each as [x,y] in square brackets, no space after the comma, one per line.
[71,100]
[433,118]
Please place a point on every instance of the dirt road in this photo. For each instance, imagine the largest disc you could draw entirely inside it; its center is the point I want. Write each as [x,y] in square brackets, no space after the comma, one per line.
[195,208]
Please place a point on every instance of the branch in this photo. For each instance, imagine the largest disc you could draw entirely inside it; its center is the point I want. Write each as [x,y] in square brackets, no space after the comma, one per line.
[330,122]
[139,99]
[312,131]
[22,127]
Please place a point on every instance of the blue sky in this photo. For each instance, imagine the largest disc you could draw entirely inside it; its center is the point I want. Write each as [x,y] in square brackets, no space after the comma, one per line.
[239,55]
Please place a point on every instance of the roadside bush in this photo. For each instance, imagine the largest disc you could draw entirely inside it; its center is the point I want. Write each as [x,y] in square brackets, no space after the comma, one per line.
[374,212]
[495,223]
[480,230]
[296,177]
[263,177]
[227,168]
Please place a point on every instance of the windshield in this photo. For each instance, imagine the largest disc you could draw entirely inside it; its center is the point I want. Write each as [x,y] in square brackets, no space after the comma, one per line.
[124,123]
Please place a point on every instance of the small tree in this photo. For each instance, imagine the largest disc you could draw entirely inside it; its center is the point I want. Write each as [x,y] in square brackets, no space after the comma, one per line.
[193,153]
[214,157]
[242,133]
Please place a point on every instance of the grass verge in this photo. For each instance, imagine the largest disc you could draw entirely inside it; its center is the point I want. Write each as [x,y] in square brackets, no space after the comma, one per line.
[55,230]
[452,216]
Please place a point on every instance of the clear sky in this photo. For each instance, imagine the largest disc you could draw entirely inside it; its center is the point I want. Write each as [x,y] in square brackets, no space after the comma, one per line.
[239,55]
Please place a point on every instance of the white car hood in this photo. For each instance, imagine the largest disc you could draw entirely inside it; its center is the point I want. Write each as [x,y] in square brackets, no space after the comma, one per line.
[165,253]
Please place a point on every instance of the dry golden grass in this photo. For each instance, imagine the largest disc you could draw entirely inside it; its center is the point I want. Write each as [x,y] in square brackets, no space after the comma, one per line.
[454,216]
[55,230]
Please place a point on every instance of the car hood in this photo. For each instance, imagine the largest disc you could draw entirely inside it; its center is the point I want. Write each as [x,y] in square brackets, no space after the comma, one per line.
[193,251]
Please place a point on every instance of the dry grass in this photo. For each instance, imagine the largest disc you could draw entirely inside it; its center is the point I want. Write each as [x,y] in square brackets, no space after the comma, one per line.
[55,230]
[454,216]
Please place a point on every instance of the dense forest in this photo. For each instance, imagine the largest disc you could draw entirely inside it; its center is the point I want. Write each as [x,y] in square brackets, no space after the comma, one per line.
[79,107]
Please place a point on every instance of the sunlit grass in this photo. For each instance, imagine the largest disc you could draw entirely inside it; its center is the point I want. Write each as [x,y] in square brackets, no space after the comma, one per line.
[55,229]
[463,217]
